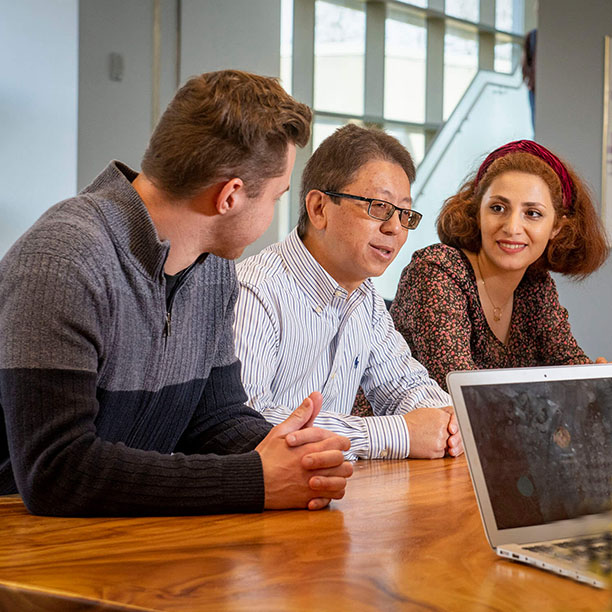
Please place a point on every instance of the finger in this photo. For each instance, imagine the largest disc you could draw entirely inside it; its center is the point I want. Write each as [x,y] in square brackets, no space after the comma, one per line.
[453,426]
[454,439]
[455,451]
[345,470]
[323,460]
[335,442]
[308,436]
[297,419]
[317,402]
[327,464]
[330,486]
[455,445]
[318,503]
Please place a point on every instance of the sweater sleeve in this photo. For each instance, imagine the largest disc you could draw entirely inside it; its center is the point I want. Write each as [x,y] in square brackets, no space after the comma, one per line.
[222,423]
[430,310]
[52,319]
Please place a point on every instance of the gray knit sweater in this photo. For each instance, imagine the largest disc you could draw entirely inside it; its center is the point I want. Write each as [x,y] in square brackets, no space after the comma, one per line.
[105,412]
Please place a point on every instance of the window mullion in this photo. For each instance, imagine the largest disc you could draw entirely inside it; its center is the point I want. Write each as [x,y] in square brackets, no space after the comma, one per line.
[374,82]
[434,76]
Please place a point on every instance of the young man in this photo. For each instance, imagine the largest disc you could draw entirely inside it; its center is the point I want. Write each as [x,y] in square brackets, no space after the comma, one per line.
[119,383]
[308,316]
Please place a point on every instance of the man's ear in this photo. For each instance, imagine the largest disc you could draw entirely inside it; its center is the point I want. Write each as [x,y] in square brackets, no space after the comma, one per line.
[230,194]
[316,205]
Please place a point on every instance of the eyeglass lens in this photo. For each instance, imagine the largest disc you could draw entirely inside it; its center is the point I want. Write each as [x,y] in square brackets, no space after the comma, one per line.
[379,209]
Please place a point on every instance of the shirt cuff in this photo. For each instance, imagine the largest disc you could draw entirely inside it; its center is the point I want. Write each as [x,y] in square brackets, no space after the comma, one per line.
[389,437]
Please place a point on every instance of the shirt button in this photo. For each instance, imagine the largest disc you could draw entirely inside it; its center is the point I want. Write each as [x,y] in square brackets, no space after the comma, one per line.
[383,453]
[318,309]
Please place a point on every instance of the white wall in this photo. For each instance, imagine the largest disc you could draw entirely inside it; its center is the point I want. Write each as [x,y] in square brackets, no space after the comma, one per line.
[569,119]
[63,118]
[114,116]
[38,101]
[241,34]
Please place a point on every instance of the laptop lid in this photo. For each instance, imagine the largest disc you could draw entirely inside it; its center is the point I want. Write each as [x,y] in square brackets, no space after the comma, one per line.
[539,447]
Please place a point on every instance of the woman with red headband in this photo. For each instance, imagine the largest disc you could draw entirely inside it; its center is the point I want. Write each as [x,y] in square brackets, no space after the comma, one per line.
[484,298]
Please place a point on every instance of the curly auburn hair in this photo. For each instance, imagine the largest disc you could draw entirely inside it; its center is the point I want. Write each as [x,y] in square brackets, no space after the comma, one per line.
[581,245]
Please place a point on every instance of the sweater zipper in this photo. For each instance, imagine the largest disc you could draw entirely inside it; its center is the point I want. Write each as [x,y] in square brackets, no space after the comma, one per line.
[181,281]
[168,325]
[168,321]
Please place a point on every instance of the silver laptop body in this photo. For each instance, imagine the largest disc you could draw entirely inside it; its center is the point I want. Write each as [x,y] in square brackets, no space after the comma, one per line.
[539,447]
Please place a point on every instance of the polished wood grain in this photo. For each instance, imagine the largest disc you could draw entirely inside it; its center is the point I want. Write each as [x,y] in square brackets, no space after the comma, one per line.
[407,536]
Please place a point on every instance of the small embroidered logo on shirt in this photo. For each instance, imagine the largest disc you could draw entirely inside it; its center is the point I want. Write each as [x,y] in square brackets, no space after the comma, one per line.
[356,362]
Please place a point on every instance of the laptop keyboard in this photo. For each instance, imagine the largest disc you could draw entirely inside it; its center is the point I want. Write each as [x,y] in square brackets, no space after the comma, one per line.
[595,551]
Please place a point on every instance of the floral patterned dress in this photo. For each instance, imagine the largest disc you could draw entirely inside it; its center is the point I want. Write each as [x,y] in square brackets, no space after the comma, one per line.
[437,309]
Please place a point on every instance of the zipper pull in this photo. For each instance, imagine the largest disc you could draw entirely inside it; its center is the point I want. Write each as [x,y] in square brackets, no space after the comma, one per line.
[168,326]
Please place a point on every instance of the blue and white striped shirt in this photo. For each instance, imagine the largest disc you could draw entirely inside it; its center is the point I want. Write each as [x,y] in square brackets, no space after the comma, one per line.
[298,331]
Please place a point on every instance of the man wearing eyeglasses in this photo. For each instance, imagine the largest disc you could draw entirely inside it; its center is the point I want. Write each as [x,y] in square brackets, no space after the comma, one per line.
[308,317]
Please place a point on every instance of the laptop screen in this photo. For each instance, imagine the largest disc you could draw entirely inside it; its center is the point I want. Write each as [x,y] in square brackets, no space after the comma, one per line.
[545,448]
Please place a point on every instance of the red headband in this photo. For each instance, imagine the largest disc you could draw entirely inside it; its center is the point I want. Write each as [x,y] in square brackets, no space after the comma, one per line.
[533,148]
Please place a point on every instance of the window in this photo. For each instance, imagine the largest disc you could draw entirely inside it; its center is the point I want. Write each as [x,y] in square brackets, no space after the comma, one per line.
[463,9]
[507,53]
[418,92]
[286,56]
[405,52]
[421,3]
[460,62]
[323,127]
[504,15]
[413,140]
[339,58]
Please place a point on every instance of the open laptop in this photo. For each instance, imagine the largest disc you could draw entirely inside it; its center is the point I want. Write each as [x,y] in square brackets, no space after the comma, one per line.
[539,447]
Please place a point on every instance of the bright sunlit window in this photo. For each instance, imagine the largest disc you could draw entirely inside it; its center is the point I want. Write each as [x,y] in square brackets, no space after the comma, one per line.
[419,93]
[460,62]
[339,58]
[464,9]
[405,52]
[504,15]
[507,52]
[286,56]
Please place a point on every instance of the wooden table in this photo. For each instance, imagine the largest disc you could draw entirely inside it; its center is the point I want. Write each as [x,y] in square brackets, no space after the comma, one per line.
[407,536]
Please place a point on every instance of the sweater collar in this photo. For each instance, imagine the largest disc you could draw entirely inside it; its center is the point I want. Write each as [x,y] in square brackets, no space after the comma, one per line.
[128,218]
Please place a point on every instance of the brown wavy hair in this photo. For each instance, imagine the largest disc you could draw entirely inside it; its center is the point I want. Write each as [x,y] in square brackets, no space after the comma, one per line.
[581,245]
[222,125]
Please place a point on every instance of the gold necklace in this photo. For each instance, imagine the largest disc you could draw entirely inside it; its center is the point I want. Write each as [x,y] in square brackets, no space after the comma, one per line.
[497,310]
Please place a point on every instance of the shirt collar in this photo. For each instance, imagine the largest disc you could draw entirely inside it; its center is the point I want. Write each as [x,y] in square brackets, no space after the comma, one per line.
[313,279]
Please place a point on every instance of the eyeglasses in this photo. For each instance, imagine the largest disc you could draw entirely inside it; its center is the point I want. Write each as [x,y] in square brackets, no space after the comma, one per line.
[382,210]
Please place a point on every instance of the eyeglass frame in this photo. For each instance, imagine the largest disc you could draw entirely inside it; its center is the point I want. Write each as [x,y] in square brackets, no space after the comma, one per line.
[411,212]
